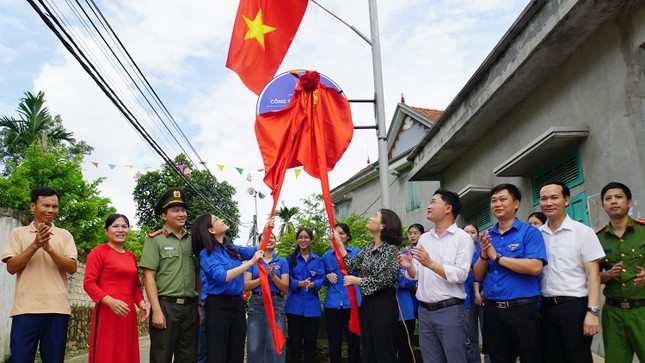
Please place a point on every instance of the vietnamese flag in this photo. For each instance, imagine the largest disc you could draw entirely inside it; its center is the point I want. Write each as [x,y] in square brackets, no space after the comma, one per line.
[262,34]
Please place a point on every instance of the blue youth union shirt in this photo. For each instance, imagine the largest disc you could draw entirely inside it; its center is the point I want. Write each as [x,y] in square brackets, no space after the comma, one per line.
[302,301]
[281,268]
[337,295]
[216,263]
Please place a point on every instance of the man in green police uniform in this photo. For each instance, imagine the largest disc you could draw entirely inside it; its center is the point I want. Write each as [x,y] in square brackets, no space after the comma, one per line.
[623,316]
[172,282]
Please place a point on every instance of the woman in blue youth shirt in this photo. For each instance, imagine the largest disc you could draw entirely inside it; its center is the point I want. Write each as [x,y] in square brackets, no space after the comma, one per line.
[306,275]
[222,267]
[337,306]
[408,304]
[259,338]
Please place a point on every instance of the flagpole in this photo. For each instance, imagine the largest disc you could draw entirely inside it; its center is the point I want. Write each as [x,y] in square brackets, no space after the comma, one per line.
[381,131]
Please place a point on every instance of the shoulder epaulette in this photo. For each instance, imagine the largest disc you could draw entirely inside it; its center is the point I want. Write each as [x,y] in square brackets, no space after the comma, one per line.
[639,221]
[155,233]
[601,229]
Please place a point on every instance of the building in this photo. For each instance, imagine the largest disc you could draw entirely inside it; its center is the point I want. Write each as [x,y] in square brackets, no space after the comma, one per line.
[361,195]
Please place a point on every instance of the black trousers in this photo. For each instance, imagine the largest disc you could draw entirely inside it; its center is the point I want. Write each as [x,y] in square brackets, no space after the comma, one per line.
[379,320]
[225,328]
[180,337]
[563,339]
[302,330]
[512,332]
[337,321]
[404,340]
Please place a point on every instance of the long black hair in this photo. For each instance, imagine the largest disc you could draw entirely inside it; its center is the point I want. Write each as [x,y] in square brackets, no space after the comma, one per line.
[294,254]
[201,238]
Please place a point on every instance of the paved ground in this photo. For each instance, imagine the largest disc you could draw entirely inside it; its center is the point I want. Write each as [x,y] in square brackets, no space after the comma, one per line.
[144,351]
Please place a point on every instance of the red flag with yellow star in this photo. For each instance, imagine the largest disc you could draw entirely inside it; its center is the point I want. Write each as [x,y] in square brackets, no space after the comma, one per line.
[262,34]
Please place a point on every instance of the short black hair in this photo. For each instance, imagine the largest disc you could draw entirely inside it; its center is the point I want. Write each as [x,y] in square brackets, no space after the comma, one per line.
[37,192]
[538,215]
[392,233]
[565,189]
[450,198]
[616,185]
[114,217]
[512,190]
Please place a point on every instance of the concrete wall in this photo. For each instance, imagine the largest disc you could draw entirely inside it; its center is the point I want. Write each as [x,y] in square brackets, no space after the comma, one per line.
[366,200]
[601,87]
[7,285]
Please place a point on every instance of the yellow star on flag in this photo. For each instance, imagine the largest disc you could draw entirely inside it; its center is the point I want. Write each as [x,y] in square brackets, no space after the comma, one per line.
[257,29]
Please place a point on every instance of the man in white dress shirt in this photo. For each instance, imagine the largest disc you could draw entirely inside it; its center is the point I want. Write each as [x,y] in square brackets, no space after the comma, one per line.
[441,263]
[570,283]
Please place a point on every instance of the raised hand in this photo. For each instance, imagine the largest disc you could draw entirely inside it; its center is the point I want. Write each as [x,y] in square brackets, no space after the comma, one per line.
[405,259]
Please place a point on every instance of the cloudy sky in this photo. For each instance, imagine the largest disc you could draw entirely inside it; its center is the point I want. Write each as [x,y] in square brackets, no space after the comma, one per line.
[429,50]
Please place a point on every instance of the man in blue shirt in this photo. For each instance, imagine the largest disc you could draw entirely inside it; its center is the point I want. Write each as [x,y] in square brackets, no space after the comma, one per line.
[510,260]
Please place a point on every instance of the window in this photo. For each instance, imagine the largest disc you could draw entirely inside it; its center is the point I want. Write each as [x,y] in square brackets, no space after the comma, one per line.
[342,211]
[566,169]
[412,194]
[577,208]
[482,217]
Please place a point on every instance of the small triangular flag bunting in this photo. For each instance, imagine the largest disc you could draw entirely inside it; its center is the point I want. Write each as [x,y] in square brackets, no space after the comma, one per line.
[95,163]
[181,167]
[112,166]
[240,170]
[221,167]
[297,171]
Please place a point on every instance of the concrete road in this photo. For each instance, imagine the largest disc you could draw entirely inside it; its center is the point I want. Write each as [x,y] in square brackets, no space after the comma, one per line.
[144,352]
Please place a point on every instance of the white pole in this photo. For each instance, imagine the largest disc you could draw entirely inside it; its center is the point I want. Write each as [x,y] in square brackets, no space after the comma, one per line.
[381,131]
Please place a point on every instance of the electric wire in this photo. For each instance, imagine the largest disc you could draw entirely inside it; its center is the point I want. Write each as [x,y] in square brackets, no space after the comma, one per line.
[70,44]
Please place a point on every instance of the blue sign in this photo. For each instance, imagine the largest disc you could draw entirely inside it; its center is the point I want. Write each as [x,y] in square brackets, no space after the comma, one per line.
[277,94]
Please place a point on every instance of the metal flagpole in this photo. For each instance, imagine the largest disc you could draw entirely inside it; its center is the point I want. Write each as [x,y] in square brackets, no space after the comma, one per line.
[379,109]
[381,132]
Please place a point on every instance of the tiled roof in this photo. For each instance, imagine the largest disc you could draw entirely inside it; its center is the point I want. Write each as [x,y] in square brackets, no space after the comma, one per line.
[430,113]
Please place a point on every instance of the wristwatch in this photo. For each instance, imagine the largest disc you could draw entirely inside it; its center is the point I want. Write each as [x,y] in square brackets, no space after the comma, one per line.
[593,310]
[497,258]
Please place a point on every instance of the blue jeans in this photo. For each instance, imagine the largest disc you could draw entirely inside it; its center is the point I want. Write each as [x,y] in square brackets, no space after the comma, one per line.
[259,338]
[473,314]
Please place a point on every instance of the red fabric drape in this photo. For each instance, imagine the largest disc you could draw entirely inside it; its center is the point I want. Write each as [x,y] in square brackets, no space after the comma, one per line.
[313,131]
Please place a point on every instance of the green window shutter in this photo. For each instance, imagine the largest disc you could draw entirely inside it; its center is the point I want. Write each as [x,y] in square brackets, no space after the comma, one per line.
[577,208]
[566,169]
[342,211]
[412,194]
[482,217]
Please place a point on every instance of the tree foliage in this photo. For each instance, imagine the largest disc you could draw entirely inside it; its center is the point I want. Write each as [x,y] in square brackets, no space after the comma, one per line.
[286,214]
[312,214]
[17,135]
[153,184]
[82,211]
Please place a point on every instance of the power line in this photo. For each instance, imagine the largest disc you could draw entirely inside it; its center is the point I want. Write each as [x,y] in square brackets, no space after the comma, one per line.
[68,41]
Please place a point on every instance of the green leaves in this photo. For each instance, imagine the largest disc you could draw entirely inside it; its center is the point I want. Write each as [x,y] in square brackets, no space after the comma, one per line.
[153,184]
[82,209]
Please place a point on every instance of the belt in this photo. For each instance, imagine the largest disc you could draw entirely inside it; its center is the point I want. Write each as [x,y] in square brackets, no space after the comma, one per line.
[555,300]
[273,293]
[178,300]
[625,303]
[510,303]
[441,304]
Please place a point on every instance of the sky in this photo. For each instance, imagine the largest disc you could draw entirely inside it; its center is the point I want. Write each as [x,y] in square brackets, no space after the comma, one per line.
[429,50]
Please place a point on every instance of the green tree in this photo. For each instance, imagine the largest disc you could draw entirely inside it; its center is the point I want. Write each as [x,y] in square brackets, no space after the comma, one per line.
[286,214]
[82,209]
[34,119]
[152,185]
[313,215]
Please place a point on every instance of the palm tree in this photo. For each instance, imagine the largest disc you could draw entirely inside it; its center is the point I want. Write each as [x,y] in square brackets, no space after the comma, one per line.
[18,134]
[286,214]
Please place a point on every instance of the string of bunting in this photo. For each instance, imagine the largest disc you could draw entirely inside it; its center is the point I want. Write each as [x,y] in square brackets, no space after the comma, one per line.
[182,167]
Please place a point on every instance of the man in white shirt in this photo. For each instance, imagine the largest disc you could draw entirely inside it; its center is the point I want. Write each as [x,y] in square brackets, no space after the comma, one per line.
[441,263]
[570,283]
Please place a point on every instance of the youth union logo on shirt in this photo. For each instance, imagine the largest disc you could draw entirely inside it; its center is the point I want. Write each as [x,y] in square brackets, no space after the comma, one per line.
[313,273]
[513,246]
